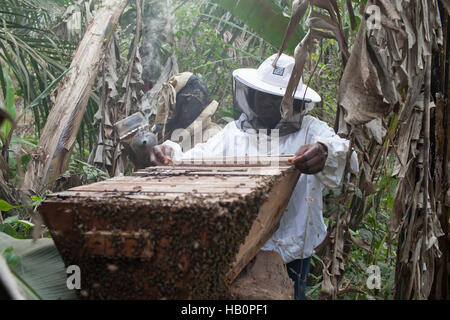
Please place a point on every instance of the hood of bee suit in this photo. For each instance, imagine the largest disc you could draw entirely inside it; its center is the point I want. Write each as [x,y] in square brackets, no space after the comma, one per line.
[183,100]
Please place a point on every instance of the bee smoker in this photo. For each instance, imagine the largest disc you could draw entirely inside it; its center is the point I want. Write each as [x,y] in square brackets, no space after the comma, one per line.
[137,139]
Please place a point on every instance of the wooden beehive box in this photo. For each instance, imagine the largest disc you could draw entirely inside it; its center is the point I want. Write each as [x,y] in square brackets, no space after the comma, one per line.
[172,232]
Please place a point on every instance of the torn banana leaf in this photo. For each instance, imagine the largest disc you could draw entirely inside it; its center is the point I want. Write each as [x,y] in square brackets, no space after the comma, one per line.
[39,271]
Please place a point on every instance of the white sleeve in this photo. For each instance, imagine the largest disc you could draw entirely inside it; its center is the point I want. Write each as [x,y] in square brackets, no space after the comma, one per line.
[331,176]
[213,147]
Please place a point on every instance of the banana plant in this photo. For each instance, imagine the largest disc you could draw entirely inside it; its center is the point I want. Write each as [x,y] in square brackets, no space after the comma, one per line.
[32,270]
[266,18]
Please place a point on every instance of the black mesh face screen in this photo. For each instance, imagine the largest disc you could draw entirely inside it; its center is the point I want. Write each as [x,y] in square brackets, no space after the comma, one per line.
[257,104]
[243,99]
[191,101]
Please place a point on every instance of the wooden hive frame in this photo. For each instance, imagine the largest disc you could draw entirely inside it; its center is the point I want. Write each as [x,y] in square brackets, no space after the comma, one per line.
[171,232]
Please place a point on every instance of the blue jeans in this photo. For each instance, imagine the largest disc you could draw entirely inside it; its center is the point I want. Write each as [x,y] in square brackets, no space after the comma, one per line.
[298,271]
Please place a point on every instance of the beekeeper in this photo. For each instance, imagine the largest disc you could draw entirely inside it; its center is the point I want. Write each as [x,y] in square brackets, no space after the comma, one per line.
[320,155]
[183,102]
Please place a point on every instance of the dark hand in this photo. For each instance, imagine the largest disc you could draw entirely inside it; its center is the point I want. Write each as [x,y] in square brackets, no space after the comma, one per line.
[161,155]
[310,158]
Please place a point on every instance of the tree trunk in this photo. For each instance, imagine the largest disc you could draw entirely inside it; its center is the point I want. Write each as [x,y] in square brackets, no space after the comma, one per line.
[64,120]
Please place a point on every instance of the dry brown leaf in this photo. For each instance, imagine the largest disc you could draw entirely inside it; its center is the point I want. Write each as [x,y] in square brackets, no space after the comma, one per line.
[330,6]
[319,21]
[298,11]
[360,91]
[300,59]
[377,130]
[390,9]
[361,243]
[109,109]
[446,4]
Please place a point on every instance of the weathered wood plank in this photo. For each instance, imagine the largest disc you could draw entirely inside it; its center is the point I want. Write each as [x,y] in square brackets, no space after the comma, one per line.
[265,224]
[168,188]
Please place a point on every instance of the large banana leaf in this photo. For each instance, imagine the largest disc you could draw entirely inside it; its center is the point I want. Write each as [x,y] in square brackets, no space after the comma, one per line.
[266,18]
[39,270]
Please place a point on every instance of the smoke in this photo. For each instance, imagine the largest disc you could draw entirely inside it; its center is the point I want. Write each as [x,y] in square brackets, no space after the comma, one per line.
[157,33]
[158,63]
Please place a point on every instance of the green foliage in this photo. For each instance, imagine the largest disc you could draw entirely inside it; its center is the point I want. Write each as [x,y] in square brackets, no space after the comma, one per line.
[17,228]
[10,257]
[266,18]
[37,41]
[5,206]
[36,201]
[37,268]
[19,225]
[9,94]
[325,79]
[31,49]
[90,172]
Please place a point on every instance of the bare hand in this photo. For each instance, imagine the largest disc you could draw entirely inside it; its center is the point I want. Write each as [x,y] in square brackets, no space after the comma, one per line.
[310,158]
[161,155]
